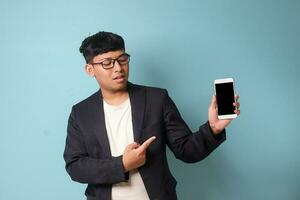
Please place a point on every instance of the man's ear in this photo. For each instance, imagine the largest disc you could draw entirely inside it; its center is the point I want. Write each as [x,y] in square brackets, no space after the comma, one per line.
[89,69]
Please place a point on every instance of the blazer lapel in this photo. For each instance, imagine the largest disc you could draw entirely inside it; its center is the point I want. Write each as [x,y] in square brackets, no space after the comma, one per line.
[98,119]
[137,100]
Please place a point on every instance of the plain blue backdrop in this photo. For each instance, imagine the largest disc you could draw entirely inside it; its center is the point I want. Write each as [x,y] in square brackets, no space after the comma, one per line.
[178,45]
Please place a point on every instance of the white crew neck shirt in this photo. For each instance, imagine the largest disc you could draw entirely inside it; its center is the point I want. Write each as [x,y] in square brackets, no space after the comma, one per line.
[118,121]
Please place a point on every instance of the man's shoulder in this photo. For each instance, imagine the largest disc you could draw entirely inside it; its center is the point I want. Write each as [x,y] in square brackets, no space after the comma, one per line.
[149,89]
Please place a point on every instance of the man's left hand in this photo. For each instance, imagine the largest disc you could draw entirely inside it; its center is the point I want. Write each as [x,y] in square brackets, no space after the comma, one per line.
[218,125]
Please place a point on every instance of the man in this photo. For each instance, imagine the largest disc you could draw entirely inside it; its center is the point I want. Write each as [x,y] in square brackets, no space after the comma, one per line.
[117,137]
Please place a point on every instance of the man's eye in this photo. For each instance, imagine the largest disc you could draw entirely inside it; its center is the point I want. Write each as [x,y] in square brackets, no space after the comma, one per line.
[122,59]
[106,62]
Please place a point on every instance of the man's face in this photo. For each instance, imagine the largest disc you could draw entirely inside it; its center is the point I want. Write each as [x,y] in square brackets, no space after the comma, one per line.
[113,79]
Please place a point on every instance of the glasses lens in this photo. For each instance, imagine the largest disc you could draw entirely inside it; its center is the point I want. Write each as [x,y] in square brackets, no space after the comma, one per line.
[123,59]
[107,63]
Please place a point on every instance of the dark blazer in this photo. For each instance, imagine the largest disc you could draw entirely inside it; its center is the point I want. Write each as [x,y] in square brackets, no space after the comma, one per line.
[87,152]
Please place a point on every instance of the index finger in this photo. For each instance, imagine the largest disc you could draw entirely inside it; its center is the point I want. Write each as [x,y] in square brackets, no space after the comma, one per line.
[146,144]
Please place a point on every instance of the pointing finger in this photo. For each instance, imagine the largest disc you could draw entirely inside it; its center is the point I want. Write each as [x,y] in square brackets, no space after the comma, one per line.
[146,144]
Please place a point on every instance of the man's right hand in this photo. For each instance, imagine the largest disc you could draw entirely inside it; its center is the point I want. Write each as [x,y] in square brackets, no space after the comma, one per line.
[135,154]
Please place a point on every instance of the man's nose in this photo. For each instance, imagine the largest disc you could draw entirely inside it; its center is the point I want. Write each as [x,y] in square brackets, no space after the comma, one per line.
[117,66]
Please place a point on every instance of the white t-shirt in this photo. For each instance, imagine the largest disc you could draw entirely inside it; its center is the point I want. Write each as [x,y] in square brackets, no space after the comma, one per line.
[118,121]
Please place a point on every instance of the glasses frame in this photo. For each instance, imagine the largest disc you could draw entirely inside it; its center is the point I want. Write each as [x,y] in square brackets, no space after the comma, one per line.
[113,61]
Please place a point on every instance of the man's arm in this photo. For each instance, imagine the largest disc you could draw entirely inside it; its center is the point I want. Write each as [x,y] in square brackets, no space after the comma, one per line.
[187,146]
[85,169]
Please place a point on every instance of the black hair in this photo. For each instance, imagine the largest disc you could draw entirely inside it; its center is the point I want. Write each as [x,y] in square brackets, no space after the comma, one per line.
[99,43]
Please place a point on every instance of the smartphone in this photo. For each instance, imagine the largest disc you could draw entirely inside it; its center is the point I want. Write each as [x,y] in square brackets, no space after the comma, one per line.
[225,98]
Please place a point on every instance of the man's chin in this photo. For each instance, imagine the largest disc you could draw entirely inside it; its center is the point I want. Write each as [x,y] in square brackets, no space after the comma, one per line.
[121,87]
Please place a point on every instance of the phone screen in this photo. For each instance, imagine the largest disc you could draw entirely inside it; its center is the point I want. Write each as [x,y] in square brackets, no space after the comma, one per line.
[225,98]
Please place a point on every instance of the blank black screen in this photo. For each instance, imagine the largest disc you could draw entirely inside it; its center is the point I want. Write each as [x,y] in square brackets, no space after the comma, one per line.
[225,98]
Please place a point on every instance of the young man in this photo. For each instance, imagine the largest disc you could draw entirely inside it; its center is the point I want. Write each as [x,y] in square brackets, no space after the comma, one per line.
[117,138]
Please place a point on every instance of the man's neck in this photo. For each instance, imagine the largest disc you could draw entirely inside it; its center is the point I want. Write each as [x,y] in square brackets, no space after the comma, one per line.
[115,98]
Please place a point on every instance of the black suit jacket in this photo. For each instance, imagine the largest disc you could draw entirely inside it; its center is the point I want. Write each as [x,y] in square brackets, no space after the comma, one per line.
[87,152]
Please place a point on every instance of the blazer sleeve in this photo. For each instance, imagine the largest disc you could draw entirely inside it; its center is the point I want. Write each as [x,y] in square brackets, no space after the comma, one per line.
[85,169]
[187,146]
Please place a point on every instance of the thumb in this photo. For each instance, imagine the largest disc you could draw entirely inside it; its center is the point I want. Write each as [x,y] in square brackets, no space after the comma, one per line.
[213,103]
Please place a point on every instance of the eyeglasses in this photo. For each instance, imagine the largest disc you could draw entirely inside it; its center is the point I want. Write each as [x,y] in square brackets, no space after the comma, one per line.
[109,63]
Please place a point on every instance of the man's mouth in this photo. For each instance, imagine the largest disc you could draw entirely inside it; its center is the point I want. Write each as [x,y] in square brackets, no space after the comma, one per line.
[119,77]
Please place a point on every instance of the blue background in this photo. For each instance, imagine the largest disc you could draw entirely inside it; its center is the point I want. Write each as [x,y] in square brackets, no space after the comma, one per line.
[179,45]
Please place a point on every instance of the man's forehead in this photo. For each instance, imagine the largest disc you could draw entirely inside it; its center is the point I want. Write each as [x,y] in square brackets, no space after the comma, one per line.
[110,54]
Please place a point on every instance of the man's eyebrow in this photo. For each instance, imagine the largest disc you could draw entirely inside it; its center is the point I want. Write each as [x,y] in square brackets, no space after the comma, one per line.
[111,57]
[104,59]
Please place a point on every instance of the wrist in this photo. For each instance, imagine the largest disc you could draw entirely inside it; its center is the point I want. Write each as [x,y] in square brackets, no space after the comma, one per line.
[125,166]
[214,129]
